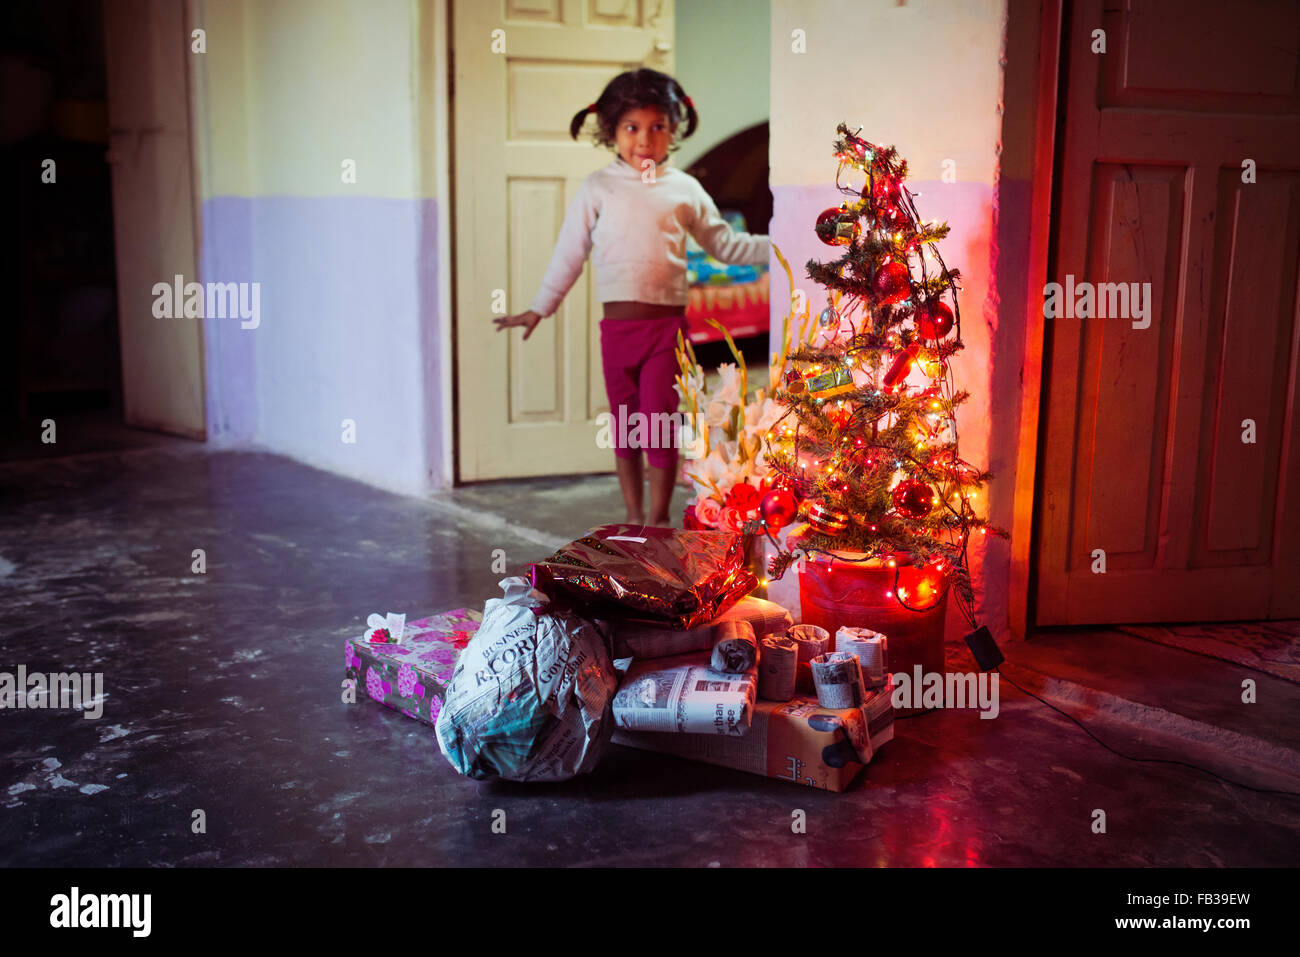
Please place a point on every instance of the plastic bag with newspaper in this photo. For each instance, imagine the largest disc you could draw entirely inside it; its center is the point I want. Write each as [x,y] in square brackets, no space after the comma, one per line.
[531,695]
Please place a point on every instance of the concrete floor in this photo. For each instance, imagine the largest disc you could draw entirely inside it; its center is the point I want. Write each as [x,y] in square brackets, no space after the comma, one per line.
[223,695]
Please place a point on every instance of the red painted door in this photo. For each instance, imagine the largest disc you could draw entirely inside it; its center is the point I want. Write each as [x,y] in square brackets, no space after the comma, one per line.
[1171,452]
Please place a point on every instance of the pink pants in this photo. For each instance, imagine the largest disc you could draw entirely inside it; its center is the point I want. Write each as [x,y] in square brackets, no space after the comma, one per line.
[640,364]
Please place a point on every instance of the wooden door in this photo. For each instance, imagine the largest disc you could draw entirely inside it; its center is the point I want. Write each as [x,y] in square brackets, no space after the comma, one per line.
[529,408]
[1143,455]
[146,49]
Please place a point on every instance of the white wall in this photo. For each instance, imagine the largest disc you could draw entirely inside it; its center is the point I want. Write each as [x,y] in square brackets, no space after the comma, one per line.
[723,64]
[353,316]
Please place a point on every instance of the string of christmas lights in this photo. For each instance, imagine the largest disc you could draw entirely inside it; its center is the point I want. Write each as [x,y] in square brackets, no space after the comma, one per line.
[869,458]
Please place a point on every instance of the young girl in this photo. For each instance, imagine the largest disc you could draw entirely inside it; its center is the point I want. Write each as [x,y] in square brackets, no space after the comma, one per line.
[635,214]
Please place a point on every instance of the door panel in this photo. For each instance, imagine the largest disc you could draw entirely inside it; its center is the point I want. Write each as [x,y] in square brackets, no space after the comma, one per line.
[1249,360]
[146,46]
[1142,453]
[529,408]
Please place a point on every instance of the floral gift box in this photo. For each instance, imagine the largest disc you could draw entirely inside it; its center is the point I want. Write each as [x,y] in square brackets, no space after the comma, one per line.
[411,676]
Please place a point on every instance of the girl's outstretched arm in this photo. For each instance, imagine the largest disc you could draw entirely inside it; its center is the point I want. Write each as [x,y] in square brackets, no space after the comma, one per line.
[719,240]
[572,247]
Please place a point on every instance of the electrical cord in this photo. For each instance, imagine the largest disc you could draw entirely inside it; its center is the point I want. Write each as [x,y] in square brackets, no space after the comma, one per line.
[1126,757]
[1194,767]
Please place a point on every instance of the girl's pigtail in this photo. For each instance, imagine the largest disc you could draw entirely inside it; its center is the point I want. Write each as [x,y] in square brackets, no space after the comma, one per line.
[575,124]
[692,118]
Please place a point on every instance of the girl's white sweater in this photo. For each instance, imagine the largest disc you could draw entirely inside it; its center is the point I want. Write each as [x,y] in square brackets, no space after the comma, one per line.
[638,230]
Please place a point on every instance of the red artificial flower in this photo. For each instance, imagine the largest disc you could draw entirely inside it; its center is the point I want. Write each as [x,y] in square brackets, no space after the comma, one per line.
[460,638]
[743,497]
[381,635]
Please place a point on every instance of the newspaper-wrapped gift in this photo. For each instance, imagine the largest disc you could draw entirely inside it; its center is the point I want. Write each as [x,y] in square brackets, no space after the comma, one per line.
[632,640]
[412,677]
[683,695]
[530,697]
[667,577]
[797,741]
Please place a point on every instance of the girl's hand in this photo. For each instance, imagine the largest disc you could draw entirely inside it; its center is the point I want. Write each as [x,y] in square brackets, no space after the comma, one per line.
[528,320]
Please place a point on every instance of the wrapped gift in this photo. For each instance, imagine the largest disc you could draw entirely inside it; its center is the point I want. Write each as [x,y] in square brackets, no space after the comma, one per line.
[412,677]
[666,577]
[796,740]
[685,697]
[530,697]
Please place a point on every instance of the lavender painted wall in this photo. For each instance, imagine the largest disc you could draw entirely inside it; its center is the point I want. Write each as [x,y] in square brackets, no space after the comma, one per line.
[349,330]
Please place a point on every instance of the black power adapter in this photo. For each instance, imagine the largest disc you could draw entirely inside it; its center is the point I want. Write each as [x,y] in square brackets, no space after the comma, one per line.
[987,654]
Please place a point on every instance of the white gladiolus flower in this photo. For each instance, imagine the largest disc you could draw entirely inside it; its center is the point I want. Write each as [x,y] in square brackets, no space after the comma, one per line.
[718,413]
[772,411]
[729,383]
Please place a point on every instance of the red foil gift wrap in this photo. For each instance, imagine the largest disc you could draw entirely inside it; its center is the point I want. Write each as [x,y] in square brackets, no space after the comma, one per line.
[668,577]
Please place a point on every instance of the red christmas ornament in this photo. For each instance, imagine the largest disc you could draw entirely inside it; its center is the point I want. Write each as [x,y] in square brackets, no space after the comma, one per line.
[836,226]
[901,366]
[913,499]
[743,497]
[839,417]
[893,217]
[827,520]
[794,383]
[933,320]
[779,508]
[893,283]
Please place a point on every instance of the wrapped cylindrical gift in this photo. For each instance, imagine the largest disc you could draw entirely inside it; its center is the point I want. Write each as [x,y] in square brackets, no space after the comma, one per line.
[872,649]
[776,668]
[838,679]
[683,695]
[811,640]
[736,649]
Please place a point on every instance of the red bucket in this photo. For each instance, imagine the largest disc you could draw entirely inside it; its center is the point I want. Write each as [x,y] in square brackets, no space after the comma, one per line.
[838,593]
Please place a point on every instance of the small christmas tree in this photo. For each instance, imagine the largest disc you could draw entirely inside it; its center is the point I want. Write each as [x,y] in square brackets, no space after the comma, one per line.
[867,448]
